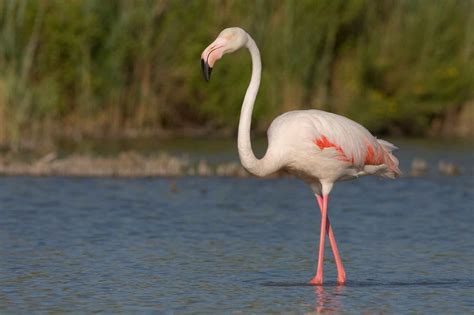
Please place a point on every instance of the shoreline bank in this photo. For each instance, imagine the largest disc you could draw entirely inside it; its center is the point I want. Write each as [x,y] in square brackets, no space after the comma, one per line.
[126,164]
[130,164]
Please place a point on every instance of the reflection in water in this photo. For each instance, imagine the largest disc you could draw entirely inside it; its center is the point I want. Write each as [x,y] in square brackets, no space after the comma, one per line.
[328,301]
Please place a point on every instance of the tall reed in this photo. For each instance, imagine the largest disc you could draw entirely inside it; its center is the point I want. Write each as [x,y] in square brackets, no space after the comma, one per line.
[110,68]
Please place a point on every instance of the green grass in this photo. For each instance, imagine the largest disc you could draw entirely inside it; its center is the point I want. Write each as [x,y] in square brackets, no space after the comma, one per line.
[70,68]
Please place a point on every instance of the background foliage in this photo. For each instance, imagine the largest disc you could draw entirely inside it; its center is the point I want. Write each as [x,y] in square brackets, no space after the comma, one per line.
[115,68]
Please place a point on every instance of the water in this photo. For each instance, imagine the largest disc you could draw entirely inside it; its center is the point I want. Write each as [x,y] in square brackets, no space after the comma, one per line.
[226,245]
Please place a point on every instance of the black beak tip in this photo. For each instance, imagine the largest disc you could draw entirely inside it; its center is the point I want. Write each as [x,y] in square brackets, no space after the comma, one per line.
[206,70]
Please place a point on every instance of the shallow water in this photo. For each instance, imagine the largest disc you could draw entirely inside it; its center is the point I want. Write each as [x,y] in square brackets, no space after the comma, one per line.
[226,245]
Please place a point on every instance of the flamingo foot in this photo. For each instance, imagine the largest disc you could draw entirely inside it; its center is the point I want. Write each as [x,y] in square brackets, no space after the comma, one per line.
[341,280]
[316,281]
[341,275]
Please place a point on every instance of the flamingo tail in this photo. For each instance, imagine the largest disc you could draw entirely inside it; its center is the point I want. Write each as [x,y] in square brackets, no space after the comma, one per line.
[390,160]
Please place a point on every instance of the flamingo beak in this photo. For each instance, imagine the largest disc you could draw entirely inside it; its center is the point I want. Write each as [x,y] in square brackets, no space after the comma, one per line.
[206,70]
[211,54]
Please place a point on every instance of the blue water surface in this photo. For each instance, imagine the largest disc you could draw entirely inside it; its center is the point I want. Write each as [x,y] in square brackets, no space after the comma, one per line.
[226,245]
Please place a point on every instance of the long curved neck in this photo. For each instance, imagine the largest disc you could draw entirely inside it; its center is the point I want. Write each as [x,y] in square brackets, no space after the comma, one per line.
[268,164]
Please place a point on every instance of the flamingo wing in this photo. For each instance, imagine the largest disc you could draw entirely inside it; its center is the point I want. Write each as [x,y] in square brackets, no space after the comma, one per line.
[352,143]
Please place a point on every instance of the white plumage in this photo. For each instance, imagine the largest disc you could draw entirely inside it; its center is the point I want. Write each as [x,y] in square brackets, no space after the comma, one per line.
[293,138]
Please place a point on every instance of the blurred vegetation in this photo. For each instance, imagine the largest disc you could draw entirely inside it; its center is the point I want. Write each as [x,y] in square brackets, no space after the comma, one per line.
[116,68]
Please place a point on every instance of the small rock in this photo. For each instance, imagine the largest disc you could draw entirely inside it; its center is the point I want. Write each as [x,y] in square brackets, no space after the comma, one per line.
[203,169]
[418,167]
[447,168]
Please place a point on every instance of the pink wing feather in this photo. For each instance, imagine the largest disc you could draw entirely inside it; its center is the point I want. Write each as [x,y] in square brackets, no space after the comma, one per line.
[353,143]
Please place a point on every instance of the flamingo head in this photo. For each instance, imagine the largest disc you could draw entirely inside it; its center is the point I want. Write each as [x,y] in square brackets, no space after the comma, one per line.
[228,41]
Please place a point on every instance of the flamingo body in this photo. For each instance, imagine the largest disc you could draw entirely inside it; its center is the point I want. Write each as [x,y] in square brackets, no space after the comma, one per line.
[318,147]
[321,147]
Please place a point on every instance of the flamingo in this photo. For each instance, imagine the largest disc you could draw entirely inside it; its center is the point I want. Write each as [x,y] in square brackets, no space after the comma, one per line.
[315,146]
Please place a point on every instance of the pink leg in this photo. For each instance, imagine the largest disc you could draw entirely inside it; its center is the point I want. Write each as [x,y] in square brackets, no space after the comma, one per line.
[341,274]
[318,278]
